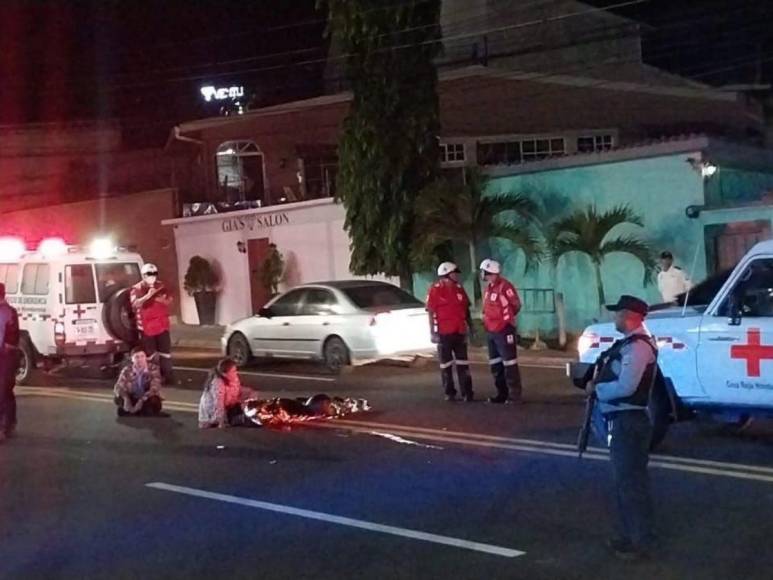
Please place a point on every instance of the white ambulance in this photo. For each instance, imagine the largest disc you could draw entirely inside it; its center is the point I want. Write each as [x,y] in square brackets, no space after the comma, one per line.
[73,302]
[716,347]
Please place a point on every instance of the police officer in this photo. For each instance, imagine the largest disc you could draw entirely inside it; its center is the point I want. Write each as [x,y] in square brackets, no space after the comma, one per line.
[622,387]
[9,364]
[449,310]
[501,305]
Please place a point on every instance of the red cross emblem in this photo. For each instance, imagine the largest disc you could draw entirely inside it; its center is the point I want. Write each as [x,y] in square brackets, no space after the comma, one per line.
[79,311]
[754,352]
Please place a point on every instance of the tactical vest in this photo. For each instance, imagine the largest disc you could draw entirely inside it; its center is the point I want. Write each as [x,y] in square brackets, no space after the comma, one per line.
[12,333]
[641,395]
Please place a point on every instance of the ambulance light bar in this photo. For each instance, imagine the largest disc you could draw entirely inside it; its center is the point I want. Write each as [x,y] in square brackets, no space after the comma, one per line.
[52,247]
[102,248]
[11,248]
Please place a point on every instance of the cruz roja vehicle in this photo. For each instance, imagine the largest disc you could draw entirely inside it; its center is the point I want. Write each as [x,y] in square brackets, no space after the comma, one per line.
[73,302]
[715,347]
[340,323]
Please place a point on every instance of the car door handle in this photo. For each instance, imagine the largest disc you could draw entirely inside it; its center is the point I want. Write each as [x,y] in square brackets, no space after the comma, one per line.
[724,339]
[285,324]
[325,324]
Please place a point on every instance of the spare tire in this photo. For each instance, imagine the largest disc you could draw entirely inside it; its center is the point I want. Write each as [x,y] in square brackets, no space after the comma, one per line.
[118,317]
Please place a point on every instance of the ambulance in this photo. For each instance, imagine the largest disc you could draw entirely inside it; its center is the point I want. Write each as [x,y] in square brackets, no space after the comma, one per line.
[716,347]
[73,302]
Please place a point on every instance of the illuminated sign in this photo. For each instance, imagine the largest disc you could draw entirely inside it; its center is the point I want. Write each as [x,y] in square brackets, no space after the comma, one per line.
[211,93]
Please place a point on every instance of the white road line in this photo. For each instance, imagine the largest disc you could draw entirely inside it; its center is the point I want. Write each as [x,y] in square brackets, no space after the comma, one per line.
[268,375]
[342,521]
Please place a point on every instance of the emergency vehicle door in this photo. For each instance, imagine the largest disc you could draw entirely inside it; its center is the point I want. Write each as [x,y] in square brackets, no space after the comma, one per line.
[735,351]
[83,313]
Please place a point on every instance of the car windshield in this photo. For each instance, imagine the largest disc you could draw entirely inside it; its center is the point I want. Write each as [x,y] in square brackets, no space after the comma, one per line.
[380,297]
[116,276]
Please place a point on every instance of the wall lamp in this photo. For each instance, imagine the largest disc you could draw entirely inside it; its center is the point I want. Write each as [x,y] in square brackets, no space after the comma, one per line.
[705,168]
[241,247]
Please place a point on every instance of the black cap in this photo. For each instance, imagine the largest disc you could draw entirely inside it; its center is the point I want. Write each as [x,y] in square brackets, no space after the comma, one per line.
[631,303]
[666,255]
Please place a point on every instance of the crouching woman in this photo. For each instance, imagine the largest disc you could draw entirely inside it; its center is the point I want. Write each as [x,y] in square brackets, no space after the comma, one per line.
[138,389]
[221,401]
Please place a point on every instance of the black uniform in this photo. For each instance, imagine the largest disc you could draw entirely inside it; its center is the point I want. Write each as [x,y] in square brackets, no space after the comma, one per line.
[9,364]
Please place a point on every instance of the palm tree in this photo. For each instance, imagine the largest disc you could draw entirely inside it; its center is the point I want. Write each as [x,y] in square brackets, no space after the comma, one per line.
[447,213]
[588,231]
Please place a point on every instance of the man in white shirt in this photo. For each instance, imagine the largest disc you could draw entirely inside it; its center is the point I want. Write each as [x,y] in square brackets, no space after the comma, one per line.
[672,281]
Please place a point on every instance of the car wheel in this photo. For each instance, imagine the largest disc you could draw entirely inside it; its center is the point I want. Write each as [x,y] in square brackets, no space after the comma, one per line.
[26,362]
[336,354]
[239,350]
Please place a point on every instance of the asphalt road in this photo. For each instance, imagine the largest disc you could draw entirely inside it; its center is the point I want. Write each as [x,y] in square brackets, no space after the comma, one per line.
[416,488]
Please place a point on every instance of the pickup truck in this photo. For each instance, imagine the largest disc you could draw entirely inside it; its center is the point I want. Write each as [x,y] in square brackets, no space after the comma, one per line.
[715,347]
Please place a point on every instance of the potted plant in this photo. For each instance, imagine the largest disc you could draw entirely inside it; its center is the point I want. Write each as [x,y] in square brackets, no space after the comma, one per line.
[201,282]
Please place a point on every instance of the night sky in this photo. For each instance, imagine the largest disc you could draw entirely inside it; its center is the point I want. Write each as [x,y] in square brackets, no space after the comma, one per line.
[144,61]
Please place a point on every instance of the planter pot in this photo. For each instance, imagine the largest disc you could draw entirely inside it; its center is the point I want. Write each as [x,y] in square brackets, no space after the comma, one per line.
[205,306]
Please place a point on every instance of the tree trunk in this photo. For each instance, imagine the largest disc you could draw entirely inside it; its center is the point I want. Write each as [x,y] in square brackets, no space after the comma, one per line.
[476,290]
[599,286]
[406,280]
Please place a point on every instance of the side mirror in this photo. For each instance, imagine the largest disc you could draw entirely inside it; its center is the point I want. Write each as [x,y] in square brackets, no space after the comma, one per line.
[735,309]
[265,312]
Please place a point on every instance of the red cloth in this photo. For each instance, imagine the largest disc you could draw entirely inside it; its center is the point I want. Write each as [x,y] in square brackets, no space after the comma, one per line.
[501,305]
[448,303]
[153,315]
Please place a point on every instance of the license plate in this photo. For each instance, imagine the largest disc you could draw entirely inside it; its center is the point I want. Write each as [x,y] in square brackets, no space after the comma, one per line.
[85,327]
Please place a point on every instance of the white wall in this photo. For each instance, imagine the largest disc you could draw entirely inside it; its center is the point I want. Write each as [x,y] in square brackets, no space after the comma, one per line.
[310,235]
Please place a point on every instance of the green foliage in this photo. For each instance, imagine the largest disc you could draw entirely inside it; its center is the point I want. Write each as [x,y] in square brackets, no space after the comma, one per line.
[448,212]
[388,149]
[200,277]
[588,231]
[271,270]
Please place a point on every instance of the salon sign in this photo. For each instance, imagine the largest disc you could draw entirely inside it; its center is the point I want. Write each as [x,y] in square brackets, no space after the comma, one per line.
[255,222]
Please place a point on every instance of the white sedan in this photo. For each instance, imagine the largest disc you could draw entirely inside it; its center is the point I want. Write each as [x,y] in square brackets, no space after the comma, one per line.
[339,323]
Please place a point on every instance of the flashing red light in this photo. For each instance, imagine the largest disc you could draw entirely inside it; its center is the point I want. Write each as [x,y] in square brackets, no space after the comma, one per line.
[51,247]
[11,248]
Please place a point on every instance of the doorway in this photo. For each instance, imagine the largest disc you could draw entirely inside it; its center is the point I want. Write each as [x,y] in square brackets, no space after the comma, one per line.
[257,251]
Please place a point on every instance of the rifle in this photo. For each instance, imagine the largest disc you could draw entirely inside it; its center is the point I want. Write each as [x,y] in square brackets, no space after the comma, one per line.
[582,437]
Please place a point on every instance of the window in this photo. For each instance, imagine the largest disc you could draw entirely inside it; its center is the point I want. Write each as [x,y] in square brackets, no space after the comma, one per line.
[534,149]
[589,144]
[754,290]
[380,297]
[287,305]
[240,171]
[79,284]
[452,152]
[318,301]
[9,275]
[319,176]
[504,153]
[35,279]
[113,277]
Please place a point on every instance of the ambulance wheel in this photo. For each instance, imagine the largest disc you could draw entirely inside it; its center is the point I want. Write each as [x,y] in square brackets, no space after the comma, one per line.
[118,317]
[239,349]
[26,362]
[335,354]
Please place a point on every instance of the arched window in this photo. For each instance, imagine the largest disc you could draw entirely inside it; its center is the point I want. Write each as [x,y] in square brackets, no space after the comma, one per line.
[240,174]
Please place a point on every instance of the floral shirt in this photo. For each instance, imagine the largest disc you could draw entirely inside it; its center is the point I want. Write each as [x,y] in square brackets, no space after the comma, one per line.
[216,398]
[136,384]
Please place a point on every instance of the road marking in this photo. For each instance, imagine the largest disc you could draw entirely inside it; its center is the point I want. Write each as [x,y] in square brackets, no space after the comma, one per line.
[342,521]
[670,462]
[269,375]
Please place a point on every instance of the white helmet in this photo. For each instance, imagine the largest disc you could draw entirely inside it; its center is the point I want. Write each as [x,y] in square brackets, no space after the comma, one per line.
[447,268]
[148,268]
[490,266]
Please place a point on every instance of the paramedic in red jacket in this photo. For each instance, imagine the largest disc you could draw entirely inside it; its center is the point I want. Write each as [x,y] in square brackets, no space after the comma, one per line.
[501,305]
[150,301]
[449,308]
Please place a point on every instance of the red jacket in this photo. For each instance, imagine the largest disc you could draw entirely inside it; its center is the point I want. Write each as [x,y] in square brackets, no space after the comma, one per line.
[501,305]
[152,316]
[448,303]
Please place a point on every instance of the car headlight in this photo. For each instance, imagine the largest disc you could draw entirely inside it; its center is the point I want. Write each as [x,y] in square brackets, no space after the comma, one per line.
[587,341]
